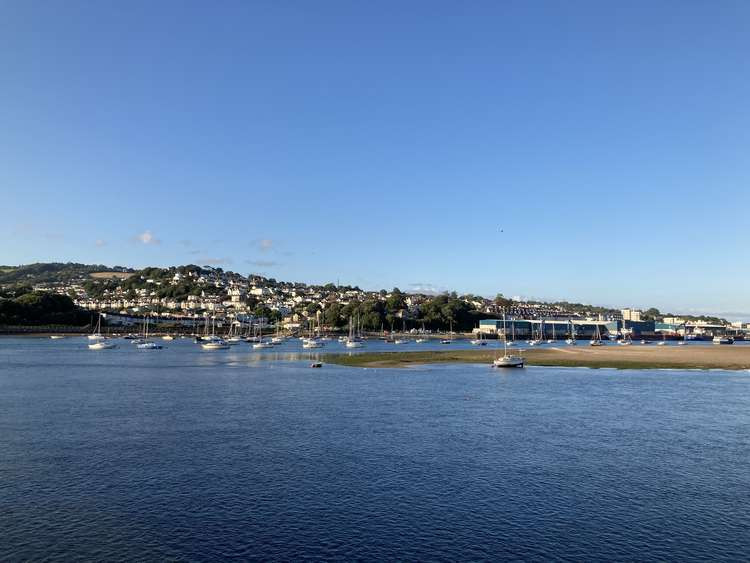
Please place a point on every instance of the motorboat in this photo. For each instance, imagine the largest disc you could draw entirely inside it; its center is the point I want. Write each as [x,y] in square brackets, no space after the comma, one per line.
[102,345]
[723,340]
[215,344]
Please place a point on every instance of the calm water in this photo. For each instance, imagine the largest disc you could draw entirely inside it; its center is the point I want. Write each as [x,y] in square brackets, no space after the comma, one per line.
[192,455]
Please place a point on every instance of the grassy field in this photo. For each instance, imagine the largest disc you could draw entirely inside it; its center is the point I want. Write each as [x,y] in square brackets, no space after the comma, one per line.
[111,275]
[630,357]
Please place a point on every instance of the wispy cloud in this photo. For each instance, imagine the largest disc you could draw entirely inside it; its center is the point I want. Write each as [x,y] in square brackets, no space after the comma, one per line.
[263,244]
[147,237]
[53,236]
[213,261]
[263,263]
[23,229]
[100,242]
[186,242]
[194,252]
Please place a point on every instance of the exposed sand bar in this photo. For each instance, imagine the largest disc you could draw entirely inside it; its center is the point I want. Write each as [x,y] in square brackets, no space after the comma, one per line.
[622,357]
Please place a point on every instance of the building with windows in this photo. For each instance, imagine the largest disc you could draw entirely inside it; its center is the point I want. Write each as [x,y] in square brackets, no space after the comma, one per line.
[631,315]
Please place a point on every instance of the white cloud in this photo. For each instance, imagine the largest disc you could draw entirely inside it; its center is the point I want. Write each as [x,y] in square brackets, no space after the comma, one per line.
[100,242]
[147,237]
[263,244]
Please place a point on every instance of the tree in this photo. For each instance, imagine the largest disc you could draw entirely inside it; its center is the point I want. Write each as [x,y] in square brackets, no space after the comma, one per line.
[651,314]
[503,302]
[439,312]
[41,308]
[332,316]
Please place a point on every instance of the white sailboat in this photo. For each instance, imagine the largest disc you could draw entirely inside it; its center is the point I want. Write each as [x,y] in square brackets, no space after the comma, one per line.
[421,339]
[97,334]
[723,340]
[352,341]
[508,360]
[626,339]
[402,340]
[312,341]
[278,338]
[100,343]
[147,344]
[572,340]
[260,344]
[448,340]
[537,339]
[597,340]
[479,341]
[213,342]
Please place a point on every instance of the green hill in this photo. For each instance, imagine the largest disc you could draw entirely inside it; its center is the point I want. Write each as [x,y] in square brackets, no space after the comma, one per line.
[31,274]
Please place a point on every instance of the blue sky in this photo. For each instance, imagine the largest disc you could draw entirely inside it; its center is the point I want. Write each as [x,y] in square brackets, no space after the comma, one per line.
[387,143]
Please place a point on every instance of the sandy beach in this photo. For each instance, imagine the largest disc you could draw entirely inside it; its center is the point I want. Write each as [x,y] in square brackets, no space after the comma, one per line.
[623,357]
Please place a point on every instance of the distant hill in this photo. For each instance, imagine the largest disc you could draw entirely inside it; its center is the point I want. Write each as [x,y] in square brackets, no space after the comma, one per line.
[31,274]
[111,275]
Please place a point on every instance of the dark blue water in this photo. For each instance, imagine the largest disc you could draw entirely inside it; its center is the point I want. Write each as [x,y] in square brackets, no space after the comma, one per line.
[182,454]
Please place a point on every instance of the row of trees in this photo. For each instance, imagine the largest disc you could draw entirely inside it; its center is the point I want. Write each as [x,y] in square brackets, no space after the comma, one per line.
[439,313]
[41,308]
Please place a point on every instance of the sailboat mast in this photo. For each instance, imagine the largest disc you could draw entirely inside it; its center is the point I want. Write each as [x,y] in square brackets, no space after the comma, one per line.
[505,336]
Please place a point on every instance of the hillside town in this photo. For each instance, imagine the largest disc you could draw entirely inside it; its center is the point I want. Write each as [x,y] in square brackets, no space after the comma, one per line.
[185,293]
[188,295]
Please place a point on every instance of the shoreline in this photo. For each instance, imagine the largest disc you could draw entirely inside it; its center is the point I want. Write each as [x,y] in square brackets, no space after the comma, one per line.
[631,357]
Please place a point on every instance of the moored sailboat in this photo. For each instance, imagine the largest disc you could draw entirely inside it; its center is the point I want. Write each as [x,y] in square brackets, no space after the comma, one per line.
[507,360]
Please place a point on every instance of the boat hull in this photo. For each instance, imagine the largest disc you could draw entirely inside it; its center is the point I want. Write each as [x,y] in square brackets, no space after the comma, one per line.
[508,362]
